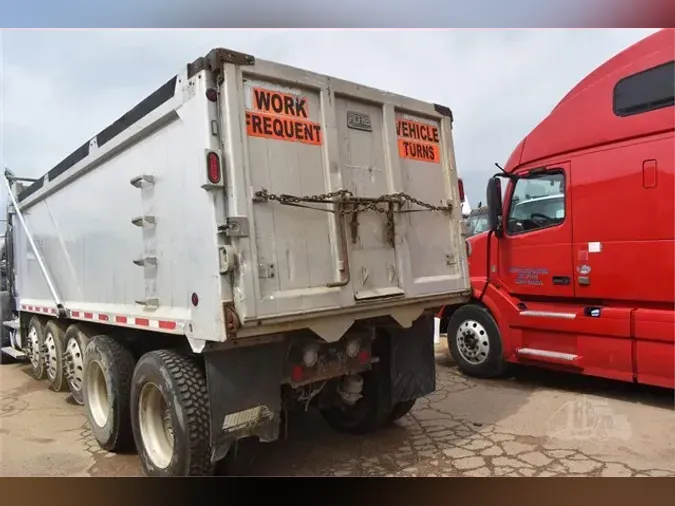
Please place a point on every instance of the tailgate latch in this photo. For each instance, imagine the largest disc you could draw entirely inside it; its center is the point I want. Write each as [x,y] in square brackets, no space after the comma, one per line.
[234,226]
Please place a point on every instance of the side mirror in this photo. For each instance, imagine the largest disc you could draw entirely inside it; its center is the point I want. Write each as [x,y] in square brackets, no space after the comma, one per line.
[494,203]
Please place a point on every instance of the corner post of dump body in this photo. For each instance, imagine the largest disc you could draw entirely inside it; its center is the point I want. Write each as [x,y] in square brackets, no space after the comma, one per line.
[453,180]
[224,67]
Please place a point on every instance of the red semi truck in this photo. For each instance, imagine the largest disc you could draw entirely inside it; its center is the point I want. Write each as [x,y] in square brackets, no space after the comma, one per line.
[576,271]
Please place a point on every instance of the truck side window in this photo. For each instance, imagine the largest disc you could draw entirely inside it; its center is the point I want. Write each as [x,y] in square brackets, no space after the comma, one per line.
[645,91]
[537,203]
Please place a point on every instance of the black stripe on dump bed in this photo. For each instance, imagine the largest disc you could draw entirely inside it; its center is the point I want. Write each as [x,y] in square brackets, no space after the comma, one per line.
[79,154]
[163,94]
[31,189]
[145,107]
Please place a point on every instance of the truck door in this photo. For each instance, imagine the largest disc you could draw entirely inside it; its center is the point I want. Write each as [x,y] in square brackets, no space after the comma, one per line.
[535,257]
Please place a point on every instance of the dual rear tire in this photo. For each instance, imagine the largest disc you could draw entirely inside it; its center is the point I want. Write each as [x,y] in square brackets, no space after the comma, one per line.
[160,403]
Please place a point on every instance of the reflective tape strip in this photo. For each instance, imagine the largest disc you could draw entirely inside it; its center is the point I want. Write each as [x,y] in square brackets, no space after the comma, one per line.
[122,320]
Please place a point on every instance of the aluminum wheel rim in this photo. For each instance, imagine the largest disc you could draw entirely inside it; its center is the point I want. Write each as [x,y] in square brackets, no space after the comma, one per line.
[97,394]
[473,342]
[34,348]
[75,365]
[154,420]
[52,357]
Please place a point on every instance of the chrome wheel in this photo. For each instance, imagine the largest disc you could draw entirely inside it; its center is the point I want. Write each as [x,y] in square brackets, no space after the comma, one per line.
[74,365]
[34,348]
[154,420]
[52,358]
[97,394]
[472,342]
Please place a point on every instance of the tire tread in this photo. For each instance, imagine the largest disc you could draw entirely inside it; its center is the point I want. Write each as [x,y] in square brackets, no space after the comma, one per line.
[190,387]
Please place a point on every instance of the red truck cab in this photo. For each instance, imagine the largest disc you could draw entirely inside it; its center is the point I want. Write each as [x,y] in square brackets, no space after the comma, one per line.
[577,269]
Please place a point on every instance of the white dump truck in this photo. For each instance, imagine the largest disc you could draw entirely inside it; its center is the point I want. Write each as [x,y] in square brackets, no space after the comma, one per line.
[249,238]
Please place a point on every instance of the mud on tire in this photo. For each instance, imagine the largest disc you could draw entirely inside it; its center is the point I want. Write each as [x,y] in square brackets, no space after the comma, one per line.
[108,368]
[170,415]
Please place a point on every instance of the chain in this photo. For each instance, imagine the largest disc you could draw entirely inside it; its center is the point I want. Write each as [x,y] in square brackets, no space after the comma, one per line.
[350,205]
[354,204]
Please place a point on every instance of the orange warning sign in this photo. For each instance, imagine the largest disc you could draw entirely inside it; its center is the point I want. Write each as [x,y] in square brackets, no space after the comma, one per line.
[283,128]
[282,116]
[418,141]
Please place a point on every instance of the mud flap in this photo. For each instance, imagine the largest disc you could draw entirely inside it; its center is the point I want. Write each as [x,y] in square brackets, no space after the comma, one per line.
[244,387]
[412,360]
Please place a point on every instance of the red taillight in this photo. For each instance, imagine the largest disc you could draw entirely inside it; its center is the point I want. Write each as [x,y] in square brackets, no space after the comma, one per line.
[211,95]
[213,167]
[297,373]
[460,183]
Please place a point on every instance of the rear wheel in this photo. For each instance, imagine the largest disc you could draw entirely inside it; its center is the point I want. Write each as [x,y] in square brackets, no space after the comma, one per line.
[76,341]
[371,411]
[401,409]
[108,368]
[475,342]
[53,351]
[35,347]
[170,415]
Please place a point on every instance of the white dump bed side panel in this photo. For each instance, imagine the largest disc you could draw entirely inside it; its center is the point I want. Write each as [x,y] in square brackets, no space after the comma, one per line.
[84,231]
[293,132]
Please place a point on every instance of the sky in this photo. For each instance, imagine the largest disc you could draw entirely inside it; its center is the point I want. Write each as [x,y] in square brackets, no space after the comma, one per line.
[58,88]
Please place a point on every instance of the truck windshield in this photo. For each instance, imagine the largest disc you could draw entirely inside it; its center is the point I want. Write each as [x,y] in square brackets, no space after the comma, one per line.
[477,223]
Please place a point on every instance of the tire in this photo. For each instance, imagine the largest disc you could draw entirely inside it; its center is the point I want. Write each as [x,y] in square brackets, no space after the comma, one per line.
[240,458]
[76,341]
[108,369]
[170,387]
[475,342]
[401,409]
[35,346]
[53,353]
[371,412]
[5,315]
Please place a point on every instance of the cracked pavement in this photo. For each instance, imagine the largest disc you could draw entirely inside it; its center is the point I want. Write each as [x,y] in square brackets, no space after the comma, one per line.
[536,424]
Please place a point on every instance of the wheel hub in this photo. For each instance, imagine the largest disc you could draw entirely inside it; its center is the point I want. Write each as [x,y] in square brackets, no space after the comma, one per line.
[154,420]
[52,357]
[97,394]
[74,365]
[472,342]
[34,348]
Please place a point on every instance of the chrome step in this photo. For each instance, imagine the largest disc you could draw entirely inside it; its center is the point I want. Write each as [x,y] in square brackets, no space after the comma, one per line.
[8,350]
[556,355]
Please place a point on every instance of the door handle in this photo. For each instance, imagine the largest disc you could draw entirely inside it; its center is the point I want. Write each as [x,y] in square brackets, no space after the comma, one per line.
[561,280]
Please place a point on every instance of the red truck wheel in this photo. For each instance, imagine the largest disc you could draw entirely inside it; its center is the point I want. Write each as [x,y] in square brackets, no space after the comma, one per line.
[475,342]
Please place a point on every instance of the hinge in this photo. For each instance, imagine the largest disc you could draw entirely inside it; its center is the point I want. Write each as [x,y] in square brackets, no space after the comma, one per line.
[234,226]
[266,271]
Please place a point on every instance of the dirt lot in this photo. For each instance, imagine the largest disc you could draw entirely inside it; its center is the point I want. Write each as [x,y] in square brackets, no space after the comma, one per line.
[538,423]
